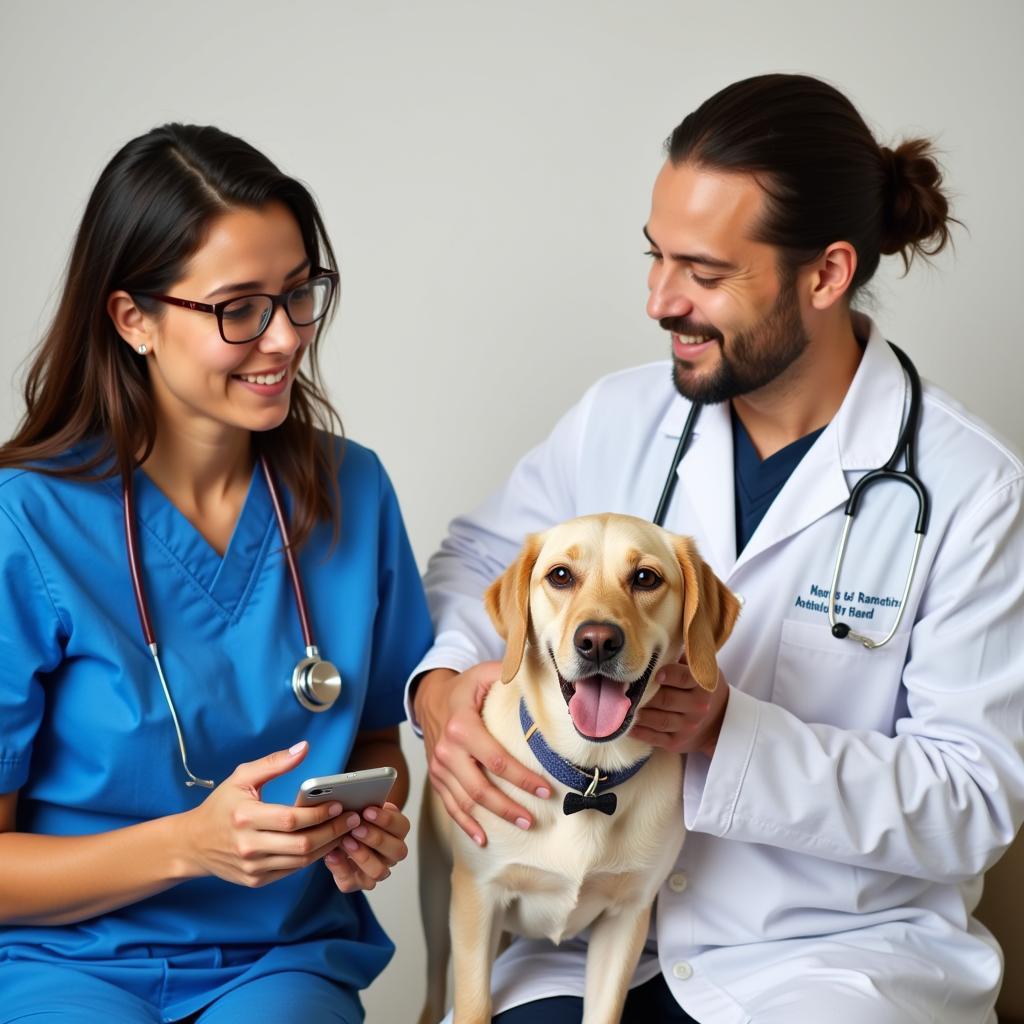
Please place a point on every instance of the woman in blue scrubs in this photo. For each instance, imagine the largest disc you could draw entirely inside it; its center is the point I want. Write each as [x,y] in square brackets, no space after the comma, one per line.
[183,352]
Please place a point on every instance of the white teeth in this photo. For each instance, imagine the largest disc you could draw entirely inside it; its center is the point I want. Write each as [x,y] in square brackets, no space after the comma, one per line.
[691,339]
[261,378]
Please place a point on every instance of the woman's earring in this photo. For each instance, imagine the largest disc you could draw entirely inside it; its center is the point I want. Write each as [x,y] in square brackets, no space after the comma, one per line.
[143,350]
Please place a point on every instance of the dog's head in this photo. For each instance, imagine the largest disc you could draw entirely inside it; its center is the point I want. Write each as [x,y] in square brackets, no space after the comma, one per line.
[603,601]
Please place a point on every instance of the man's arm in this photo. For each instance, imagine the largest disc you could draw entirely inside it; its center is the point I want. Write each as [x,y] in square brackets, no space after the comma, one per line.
[943,797]
[446,690]
[540,492]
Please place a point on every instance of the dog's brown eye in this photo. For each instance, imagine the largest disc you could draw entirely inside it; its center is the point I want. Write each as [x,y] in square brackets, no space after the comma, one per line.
[646,579]
[560,577]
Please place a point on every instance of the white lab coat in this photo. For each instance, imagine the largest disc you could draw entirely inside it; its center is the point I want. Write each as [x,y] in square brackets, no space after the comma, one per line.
[838,835]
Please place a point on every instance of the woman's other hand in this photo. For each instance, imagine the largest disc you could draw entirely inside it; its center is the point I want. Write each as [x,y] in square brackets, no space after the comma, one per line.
[373,847]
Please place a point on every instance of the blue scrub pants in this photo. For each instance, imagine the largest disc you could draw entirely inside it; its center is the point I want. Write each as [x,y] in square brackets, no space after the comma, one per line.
[646,1003]
[67,996]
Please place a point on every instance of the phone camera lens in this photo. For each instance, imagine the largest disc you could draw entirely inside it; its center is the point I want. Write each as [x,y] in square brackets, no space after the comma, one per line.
[317,792]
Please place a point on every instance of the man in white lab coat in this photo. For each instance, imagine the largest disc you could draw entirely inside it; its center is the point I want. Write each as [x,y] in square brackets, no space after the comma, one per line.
[842,802]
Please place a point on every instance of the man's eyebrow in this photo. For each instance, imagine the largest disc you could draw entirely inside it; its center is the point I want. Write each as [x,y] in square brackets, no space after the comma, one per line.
[695,257]
[242,286]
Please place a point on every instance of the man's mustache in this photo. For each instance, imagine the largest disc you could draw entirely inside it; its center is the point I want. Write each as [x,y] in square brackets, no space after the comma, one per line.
[684,325]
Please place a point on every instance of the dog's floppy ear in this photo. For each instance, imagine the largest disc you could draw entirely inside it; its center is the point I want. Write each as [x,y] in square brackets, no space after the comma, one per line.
[709,613]
[507,601]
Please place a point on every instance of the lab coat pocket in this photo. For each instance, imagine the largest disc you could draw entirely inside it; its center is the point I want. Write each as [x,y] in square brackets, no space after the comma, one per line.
[828,681]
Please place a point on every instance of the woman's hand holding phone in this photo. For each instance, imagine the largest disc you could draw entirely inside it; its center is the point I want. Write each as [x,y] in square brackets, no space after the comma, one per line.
[234,835]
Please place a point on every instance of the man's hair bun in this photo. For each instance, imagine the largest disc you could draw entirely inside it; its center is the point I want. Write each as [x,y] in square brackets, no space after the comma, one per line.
[917,217]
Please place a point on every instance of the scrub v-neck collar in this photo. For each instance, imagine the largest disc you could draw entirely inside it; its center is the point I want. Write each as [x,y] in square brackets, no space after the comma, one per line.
[228,579]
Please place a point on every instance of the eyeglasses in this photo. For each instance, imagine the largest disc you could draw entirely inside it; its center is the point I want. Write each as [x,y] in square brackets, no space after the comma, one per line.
[248,316]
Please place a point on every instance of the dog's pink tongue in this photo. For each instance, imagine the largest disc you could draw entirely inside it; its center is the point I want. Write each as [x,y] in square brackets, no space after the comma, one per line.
[598,707]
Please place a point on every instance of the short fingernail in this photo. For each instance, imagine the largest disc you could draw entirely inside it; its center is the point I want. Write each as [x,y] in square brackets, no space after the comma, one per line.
[659,677]
[350,844]
[352,820]
[522,823]
[301,745]
[479,840]
[333,857]
[360,832]
[370,814]
[544,792]
[334,810]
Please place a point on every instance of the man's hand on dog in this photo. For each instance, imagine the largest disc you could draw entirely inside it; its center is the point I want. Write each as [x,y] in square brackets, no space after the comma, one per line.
[682,717]
[459,748]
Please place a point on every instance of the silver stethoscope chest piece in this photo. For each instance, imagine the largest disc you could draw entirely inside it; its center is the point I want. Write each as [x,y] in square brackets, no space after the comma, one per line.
[315,682]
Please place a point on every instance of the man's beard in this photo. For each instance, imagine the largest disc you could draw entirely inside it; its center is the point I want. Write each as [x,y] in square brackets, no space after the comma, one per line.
[755,357]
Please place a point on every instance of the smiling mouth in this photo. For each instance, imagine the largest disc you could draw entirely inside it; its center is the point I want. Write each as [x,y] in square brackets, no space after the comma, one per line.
[263,378]
[600,709]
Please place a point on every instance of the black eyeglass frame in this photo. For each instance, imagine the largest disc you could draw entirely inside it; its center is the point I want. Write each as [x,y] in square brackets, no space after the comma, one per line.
[281,299]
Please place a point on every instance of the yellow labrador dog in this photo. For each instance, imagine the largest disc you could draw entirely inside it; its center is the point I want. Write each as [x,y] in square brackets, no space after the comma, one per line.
[589,611]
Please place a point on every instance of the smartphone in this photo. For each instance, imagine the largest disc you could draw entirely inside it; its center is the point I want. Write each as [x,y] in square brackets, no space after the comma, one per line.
[353,790]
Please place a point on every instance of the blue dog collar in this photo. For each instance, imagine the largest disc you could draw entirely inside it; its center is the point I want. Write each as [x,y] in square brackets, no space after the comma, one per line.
[585,781]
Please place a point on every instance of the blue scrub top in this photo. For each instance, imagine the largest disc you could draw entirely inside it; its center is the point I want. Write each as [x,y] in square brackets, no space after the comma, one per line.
[87,738]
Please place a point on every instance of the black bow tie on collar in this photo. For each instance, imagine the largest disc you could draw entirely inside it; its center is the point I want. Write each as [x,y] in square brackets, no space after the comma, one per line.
[603,802]
[585,780]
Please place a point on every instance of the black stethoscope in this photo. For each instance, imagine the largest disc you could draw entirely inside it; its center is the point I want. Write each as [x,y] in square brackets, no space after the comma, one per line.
[888,471]
[316,683]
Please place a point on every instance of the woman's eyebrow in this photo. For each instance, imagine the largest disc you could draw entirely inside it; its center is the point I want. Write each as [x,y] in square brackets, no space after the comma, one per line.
[249,285]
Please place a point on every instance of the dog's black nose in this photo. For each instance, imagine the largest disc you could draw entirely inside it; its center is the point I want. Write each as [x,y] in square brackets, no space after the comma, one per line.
[598,641]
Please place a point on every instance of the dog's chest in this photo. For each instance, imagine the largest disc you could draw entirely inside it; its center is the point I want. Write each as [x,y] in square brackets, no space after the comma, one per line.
[556,880]
[543,904]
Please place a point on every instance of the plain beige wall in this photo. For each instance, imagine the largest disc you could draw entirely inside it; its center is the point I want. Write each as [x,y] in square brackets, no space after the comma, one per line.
[484,170]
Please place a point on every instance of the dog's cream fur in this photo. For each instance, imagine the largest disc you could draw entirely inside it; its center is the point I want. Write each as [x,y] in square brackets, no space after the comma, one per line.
[585,870]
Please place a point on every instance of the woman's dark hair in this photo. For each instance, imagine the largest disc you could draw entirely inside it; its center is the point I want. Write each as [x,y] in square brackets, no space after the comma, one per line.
[146,217]
[825,177]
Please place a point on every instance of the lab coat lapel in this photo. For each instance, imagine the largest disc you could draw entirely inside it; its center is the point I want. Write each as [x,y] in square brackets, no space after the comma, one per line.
[861,436]
[706,478]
